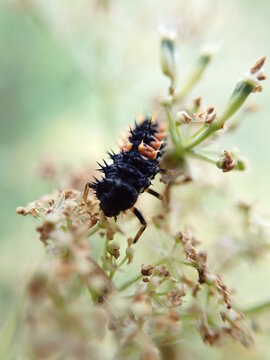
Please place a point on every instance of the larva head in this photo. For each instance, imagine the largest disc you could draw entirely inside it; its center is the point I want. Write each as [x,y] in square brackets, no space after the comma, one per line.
[115,195]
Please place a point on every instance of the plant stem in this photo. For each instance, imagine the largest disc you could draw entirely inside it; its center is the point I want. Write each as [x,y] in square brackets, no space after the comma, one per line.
[8,331]
[161,293]
[257,308]
[194,77]
[201,157]
[208,132]
[173,129]
[198,132]
[94,229]
[138,277]
[130,282]
[106,247]
[123,261]
[118,266]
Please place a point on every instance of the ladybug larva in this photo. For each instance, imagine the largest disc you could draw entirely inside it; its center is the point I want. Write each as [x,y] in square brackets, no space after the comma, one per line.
[131,171]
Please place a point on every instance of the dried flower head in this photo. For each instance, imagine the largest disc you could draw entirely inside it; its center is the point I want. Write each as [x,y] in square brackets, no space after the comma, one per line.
[227,163]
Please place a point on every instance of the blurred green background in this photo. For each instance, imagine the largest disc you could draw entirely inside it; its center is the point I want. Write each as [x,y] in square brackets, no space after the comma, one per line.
[73,74]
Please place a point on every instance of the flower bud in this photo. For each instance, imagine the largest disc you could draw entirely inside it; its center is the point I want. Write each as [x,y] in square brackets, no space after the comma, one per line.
[241,164]
[113,249]
[167,55]
[130,253]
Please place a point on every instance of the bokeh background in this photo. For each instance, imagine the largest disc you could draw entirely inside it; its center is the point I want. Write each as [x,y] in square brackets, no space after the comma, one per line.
[74,74]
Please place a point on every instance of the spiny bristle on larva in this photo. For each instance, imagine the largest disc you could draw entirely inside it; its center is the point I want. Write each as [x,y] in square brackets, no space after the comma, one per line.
[111,154]
[94,184]
[101,167]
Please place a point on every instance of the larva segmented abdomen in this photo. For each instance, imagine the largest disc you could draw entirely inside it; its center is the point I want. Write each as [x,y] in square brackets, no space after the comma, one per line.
[132,169]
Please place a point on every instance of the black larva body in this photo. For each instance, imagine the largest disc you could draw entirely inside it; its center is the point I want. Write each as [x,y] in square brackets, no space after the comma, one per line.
[132,169]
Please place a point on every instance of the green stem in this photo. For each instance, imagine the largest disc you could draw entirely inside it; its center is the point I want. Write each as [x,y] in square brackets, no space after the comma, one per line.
[111,275]
[69,225]
[106,247]
[138,277]
[208,132]
[123,261]
[130,282]
[94,229]
[118,266]
[198,132]
[161,293]
[201,157]
[9,330]
[257,308]
[194,77]
[173,129]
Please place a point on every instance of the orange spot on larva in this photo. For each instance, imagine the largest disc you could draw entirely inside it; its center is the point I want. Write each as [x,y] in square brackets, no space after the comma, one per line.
[162,127]
[155,144]
[160,135]
[147,151]
[127,146]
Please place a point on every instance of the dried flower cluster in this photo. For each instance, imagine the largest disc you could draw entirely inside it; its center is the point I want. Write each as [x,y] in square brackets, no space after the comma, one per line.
[62,318]
[77,309]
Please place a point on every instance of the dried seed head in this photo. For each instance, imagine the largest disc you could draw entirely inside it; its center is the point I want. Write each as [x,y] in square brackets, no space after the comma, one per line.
[258,65]
[162,271]
[114,249]
[257,88]
[261,77]
[130,252]
[197,102]
[45,230]
[209,110]
[210,118]
[226,163]
[175,298]
[182,117]
[21,210]
[147,270]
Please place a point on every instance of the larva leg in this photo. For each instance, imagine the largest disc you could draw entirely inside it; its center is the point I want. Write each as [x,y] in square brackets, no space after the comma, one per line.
[143,224]
[154,193]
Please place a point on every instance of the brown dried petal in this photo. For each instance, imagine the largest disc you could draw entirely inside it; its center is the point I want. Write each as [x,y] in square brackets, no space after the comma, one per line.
[45,230]
[258,65]
[147,270]
[227,163]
